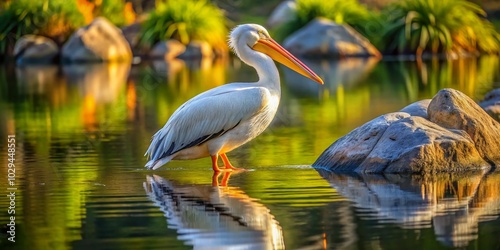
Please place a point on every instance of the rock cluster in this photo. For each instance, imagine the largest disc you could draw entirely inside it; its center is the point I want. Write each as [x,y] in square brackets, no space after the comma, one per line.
[449,133]
[101,41]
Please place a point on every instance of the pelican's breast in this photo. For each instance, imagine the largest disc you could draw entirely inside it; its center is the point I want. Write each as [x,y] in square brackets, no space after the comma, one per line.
[252,127]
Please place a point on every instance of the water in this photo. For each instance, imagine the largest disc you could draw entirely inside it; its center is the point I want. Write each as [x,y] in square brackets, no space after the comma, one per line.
[81,132]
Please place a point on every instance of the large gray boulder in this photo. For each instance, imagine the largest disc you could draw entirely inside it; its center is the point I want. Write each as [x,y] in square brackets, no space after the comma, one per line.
[491,104]
[283,13]
[132,34]
[456,135]
[325,38]
[35,49]
[99,41]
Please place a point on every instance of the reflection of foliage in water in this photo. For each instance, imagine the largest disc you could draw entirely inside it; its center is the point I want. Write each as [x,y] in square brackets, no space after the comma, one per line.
[473,76]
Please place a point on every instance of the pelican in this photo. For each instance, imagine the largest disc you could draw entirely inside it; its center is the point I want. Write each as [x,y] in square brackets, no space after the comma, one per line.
[226,117]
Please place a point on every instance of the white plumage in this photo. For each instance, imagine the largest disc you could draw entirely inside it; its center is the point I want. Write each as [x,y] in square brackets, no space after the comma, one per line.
[224,118]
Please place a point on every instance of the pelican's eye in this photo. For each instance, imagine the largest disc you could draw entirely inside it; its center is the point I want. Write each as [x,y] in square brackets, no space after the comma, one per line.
[262,35]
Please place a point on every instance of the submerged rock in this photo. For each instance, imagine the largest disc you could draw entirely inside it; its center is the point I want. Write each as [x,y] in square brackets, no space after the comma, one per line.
[452,134]
[35,49]
[325,38]
[491,104]
[99,41]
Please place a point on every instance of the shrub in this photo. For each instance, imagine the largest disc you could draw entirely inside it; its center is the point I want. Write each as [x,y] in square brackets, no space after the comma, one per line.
[114,10]
[438,26]
[185,20]
[341,11]
[56,19]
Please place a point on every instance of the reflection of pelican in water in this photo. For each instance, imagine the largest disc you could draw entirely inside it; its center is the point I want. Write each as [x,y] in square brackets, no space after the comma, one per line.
[207,217]
[452,205]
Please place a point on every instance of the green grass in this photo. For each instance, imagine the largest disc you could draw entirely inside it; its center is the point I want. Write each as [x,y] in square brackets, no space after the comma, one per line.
[436,26]
[341,11]
[185,20]
[56,19]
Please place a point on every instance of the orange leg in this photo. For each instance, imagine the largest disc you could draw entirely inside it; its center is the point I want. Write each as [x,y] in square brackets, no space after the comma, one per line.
[227,164]
[214,163]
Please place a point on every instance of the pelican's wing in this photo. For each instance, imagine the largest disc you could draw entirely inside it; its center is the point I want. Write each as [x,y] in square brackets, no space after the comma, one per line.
[206,116]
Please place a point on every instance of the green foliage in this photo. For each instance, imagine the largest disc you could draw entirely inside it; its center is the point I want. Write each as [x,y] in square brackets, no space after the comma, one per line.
[112,10]
[341,11]
[185,20]
[55,18]
[438,26]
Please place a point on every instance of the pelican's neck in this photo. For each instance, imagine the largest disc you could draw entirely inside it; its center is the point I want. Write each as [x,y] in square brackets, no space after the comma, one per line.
[264,65]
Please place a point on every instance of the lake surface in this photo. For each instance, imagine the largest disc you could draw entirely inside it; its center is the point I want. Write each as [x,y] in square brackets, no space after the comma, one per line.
[81,132]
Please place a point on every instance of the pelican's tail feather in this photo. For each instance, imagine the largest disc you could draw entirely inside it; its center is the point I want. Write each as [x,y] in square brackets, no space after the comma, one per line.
[155,164]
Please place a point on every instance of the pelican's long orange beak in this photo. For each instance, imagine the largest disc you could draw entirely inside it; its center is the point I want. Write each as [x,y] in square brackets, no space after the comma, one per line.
[281,55]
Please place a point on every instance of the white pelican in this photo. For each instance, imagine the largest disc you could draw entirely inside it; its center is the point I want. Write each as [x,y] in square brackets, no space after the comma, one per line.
[224,118]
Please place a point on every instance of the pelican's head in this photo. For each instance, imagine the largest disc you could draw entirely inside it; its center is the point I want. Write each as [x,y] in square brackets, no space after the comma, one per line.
[258,39]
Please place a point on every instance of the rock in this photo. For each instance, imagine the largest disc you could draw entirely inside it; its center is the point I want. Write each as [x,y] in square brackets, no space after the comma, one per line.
[167,50]
[35,49]
[417,108]
[491,104]
[452,109]
[283,13]
[349,152]
[132,34]
[324,38]
[416,145]
[457,136]
[196,50]
[99,41]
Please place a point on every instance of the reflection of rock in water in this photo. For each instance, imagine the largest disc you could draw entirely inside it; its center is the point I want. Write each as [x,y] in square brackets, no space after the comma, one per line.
[207,217]
[168,68]
[37,77]
[452,205]
[346,72]
[102,82]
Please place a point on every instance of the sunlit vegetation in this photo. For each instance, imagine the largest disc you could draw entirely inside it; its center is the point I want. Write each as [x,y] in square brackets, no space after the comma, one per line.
[435,26]
[185,21]
[116,11]
[56,19]
[341,11]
